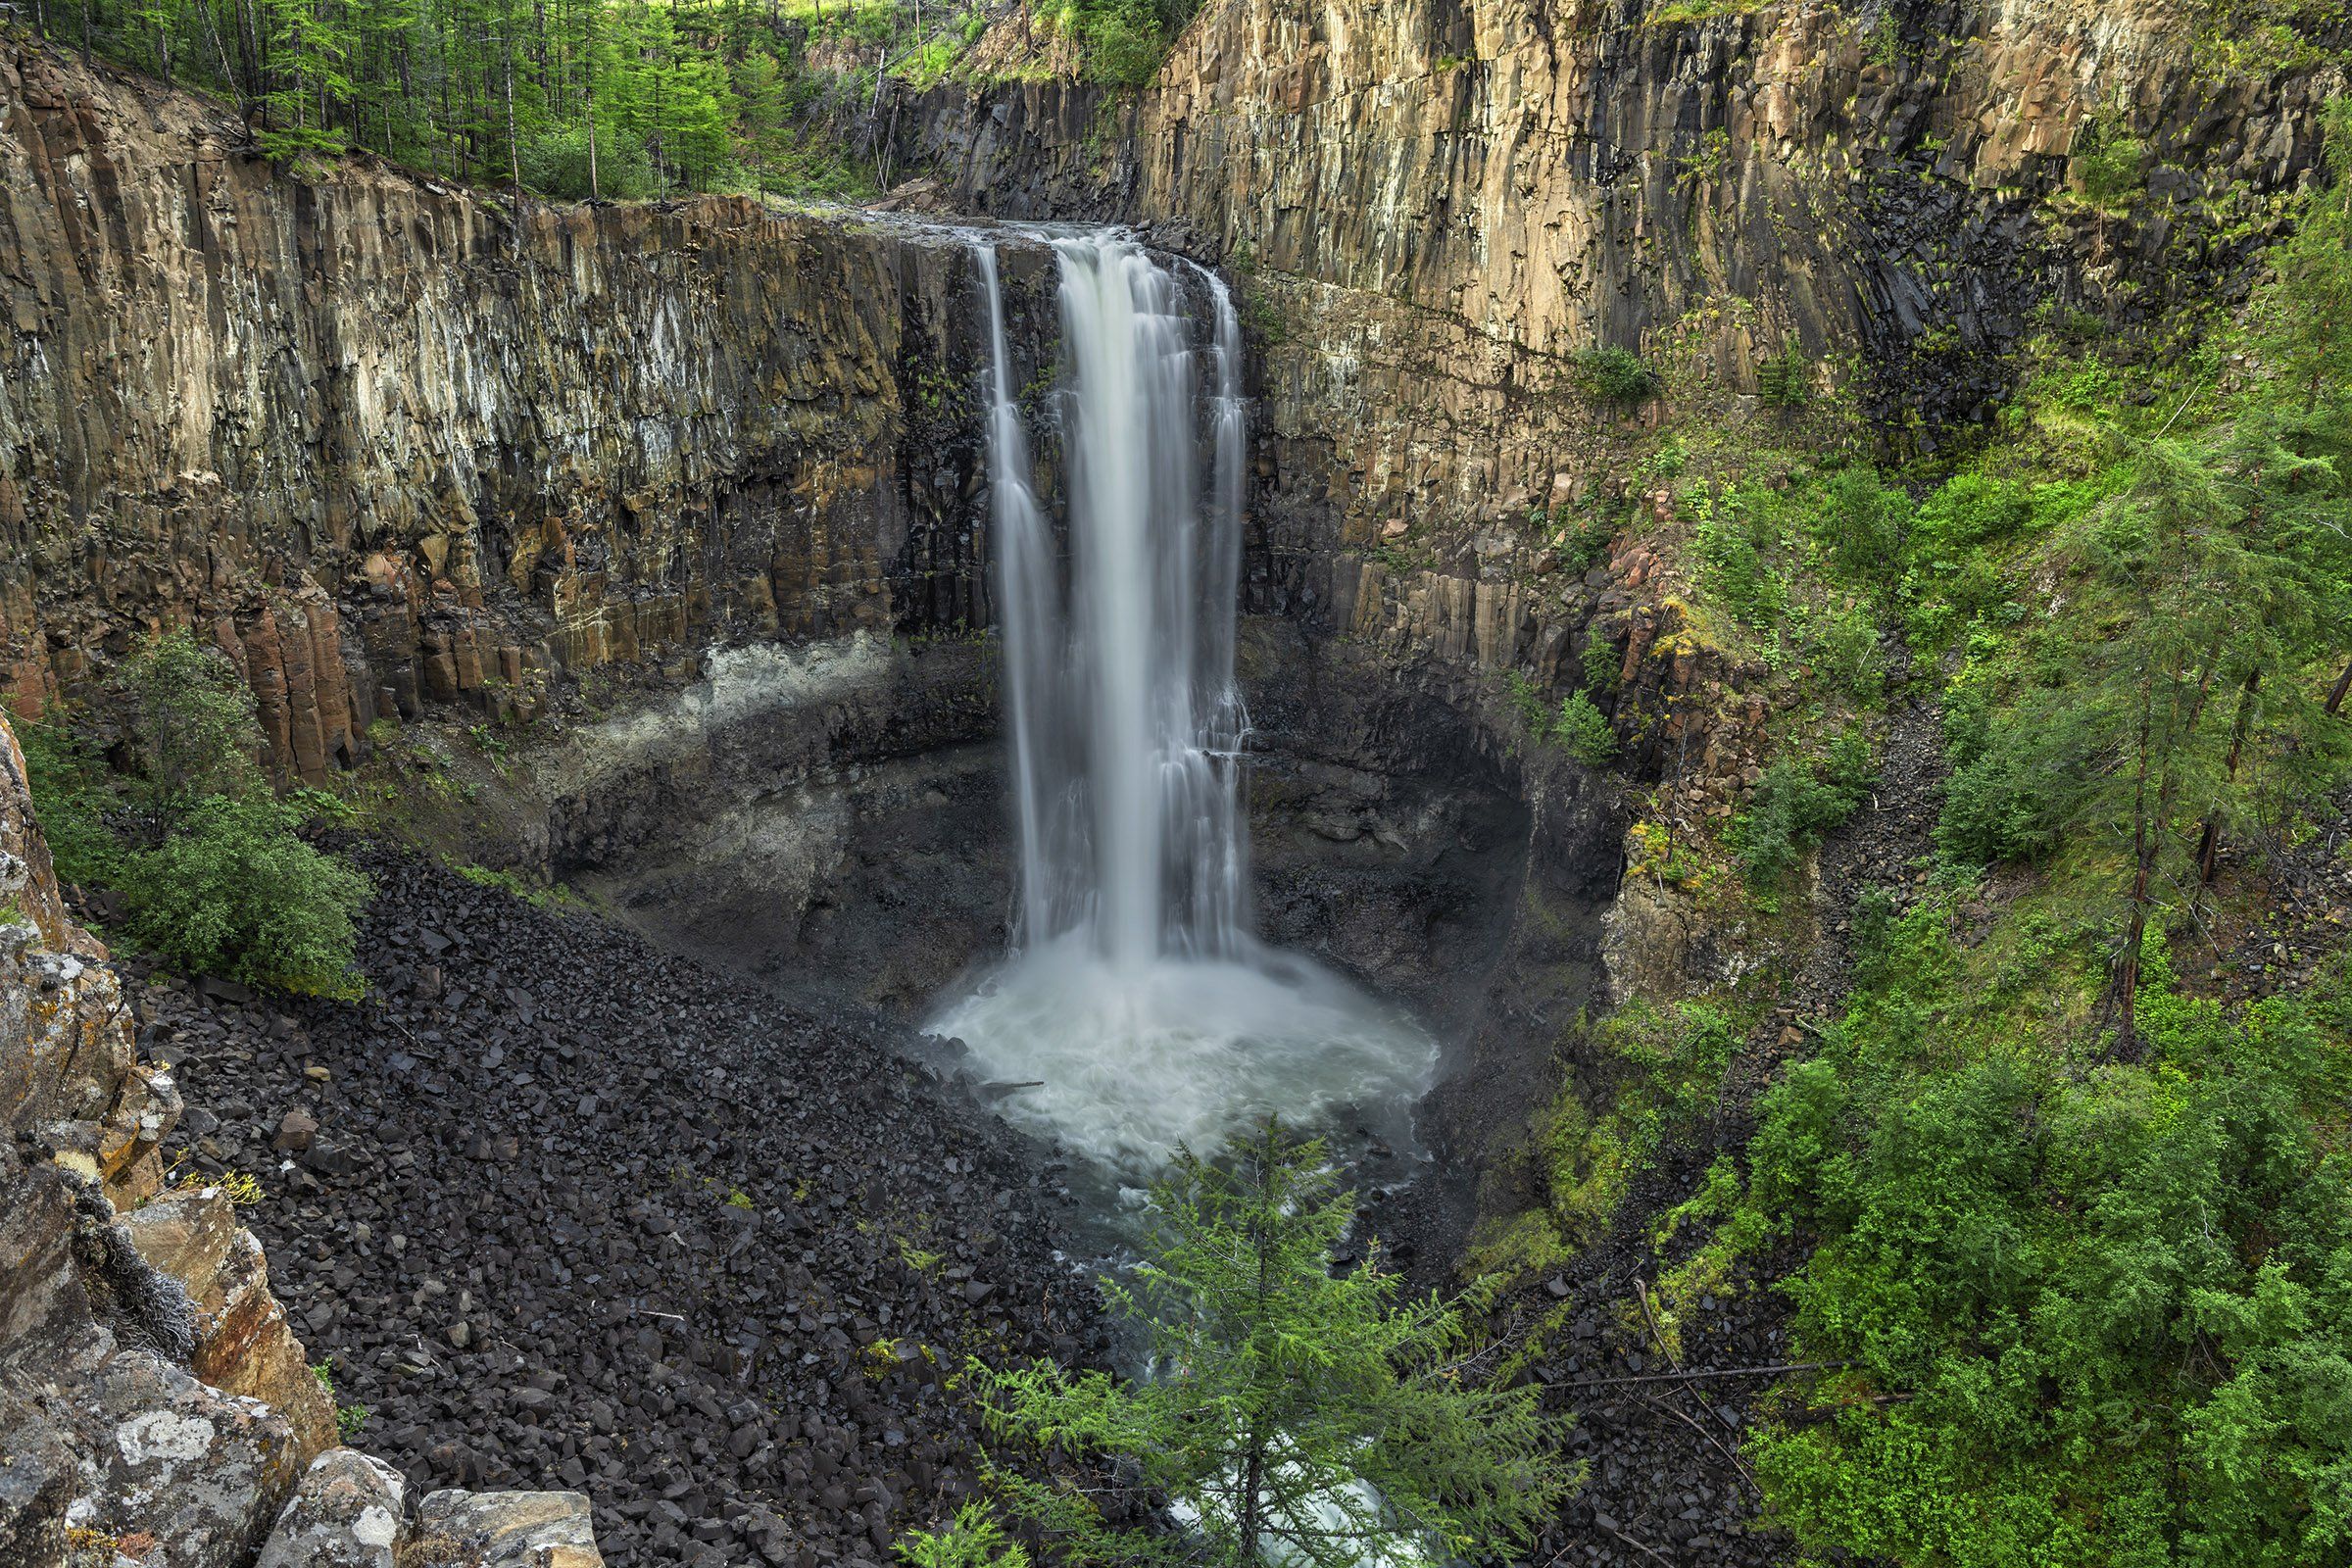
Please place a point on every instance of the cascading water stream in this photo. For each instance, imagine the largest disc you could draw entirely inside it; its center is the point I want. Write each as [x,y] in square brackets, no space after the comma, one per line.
[1136,996]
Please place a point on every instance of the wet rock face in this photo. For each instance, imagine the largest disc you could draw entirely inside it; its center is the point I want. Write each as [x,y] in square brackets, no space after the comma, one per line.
[1386,832]
[828,817]
[389,447]
[840,829]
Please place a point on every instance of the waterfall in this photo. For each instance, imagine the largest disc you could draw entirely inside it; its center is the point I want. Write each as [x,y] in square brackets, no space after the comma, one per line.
[1127,729]
[1032,602]
[1136,997]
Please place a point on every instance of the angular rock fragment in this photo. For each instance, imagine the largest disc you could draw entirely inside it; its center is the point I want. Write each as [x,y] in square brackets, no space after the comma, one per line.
[345,1514]
[506,1529]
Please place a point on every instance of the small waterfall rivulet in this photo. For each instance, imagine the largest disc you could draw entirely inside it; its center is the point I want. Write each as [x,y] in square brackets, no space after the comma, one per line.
[1134,996]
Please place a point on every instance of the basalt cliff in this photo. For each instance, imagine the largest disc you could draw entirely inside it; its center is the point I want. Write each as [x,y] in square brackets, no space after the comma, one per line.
[645,548]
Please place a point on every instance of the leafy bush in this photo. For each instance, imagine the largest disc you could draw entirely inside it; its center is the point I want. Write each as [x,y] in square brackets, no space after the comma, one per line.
[1582,540]
[1616,375]
[1845,645]
[1528,698]
[2088,1317]
[2015,777]
[1733,539]
[1795,802]
[977,1538]
[71,801]
[233,891]
[1603,664]
[2109,167]
[1970,510]
[1577,724]
[197,734]
[1124,41]
[207,864]
[1951,576]
[1786,380]
[1860,523]
[1584,730]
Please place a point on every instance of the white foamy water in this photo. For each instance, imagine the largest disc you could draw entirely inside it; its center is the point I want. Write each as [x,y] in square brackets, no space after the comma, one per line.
[1134,994]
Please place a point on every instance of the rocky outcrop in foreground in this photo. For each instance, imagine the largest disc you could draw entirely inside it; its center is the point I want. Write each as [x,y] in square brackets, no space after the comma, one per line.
[156,1408]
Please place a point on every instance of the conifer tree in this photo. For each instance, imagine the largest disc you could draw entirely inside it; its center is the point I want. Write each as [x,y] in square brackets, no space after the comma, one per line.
[1295,1414]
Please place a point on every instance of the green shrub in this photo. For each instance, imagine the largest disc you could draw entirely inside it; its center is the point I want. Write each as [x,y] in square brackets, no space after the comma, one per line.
[1125,41]
[1582,540]
[1616,375]
[1845,645]
[196,730]
[1786,380]
[232,890]
[1528,698]
[1603,664]
[1795,802]
[1123,44]
[975,1538]
[1860,522]
[1584,731]
[2015,777]
[74,800]
[2087,1317]
[1734,541]
[1970,510]
[2109,167]
[1951,576]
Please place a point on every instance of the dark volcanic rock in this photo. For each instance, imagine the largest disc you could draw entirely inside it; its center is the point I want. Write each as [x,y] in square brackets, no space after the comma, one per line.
[586,1217]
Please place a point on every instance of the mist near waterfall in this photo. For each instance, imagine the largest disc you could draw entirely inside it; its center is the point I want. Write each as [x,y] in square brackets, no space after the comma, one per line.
[1135,997]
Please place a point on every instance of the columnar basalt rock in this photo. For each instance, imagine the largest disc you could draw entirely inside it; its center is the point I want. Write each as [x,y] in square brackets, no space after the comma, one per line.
[1434,207]
[390,444]
[242,1343]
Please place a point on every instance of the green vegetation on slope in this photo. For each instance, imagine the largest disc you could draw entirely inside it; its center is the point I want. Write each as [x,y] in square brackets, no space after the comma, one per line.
[212,873]
[612,98]
[2079,1229]
[2088,1312]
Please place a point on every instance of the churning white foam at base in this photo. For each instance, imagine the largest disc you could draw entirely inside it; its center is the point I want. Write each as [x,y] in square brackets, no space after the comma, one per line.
[1130,1061]
[1135,1000]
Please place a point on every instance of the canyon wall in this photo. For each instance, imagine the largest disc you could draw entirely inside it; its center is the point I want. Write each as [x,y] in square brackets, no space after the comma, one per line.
[1438,212]
[390,443]
[1434,206]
